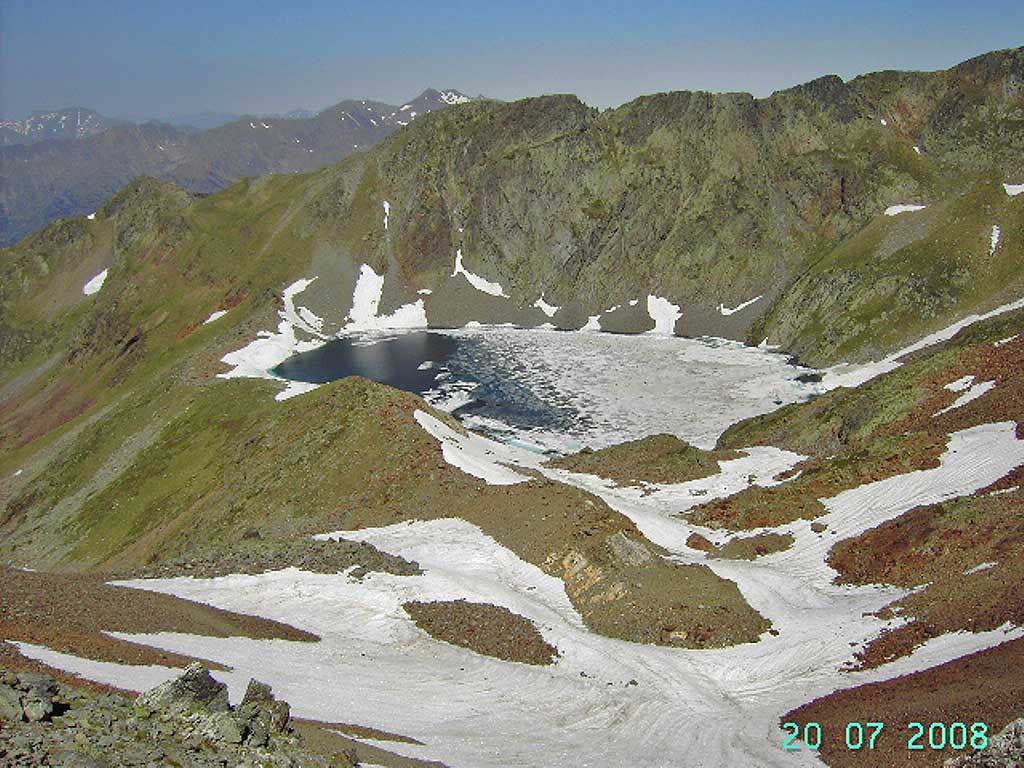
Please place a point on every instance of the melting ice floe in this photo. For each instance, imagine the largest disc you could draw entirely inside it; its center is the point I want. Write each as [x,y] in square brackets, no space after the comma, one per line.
[480,283]
[94,285]
[895,210]
[846,375]
[717,707]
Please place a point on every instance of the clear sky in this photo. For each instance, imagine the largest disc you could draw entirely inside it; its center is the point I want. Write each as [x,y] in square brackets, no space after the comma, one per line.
[155,58]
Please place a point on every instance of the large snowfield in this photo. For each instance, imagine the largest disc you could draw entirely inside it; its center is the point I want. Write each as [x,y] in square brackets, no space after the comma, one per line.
[721,707]
[604,702]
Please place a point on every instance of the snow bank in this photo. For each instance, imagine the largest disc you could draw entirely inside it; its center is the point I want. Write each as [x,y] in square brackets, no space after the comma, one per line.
[846,375]
[94,285]
[970,392]
[472,454]
[544,307]
[896,210]
[215,316]
[664,314]
[1013,189]
[724,310]
[256,359]
[365,316]
[480,283]
[593,323]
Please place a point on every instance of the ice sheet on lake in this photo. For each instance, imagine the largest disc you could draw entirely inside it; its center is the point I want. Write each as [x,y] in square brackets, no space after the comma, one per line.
[625,387]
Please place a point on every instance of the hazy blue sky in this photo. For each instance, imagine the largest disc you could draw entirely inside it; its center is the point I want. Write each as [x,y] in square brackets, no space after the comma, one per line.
[155,58]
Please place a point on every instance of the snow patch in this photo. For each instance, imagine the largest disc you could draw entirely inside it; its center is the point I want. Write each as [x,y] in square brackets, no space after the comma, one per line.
[471,453]
[993,240]
[724,310]
[846,375]
[94,285]
[544,307]
[364,315]
[1007,340]
[979,568]
[664,314]
[896,210]
[91,216]
[480,283]
[973,392]
[387,212]
[424,291]
[1013,189]
[917,149]
[215,316]
[593,323]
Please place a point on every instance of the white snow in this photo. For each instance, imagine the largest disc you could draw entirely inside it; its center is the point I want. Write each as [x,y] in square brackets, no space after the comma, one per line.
[91,216]
[471,453]
[364,315]
[970,392]
[664,314]
[271,349]
[701,708]
[917,149]
[593,323]
[387,212]
[252,125]
[634,302]
[726,311]
[845,375]
[895,210]
[1013,189]
[980,568]
[620,387]
[215,316]
[993,240]
[883,121]
[18,472]
[94,284]
[480,283]
[450,97]
[1007,340]
[544,307]
[424,291]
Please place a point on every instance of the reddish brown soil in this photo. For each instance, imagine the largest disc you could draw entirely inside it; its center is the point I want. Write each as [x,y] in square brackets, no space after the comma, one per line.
[758,507]
[983,687]
[938,545]
[34,414]
[487,629]
[986,362]
[71,612]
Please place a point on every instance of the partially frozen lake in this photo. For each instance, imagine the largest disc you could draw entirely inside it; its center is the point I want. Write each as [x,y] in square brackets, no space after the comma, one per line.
[555,390]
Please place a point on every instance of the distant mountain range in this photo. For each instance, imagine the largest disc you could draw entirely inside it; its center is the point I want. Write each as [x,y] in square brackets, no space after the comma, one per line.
[69,123]
[43,178]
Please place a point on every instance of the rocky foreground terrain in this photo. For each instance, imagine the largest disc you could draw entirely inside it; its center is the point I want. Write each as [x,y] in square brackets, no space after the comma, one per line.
[185,722]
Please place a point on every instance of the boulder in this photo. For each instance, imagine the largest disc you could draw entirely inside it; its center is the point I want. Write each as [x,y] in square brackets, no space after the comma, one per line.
[194,689]
[10,705]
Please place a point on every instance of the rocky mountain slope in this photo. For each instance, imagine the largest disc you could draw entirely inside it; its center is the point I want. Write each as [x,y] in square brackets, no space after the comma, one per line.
[40,182]
[121,450]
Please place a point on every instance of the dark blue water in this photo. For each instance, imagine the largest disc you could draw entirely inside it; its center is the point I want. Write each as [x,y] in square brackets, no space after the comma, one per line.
[503,393]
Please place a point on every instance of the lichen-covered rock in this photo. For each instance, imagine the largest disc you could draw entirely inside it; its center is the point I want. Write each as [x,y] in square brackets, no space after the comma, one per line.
[196,688]
[1005,750]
